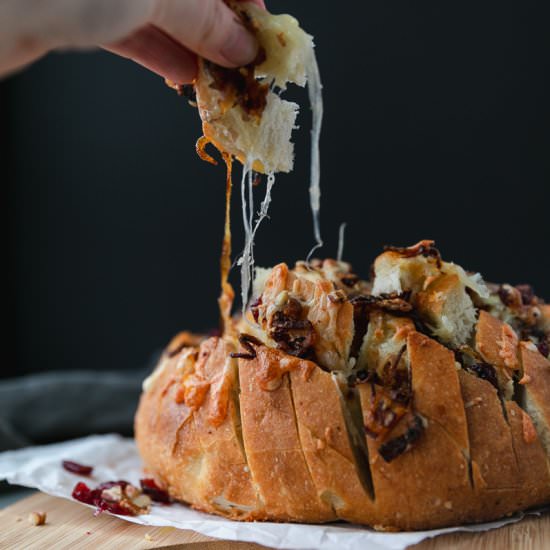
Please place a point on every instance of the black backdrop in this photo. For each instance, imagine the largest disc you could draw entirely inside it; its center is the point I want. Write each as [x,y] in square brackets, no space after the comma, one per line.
[437,126]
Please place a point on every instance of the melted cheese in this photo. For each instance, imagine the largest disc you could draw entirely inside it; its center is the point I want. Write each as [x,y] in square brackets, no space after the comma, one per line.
[227,295]
[315,90]
[246,261]
[341,236]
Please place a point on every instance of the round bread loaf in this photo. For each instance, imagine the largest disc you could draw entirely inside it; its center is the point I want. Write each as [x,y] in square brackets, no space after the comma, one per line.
[388,404]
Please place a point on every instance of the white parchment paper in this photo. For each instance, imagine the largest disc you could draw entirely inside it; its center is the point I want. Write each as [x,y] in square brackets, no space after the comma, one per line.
[114,457]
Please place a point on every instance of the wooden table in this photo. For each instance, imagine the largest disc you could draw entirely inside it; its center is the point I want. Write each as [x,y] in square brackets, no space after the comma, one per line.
[70,525]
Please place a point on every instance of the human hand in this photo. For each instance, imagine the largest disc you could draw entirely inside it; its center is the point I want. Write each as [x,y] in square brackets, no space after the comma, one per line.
[162,35]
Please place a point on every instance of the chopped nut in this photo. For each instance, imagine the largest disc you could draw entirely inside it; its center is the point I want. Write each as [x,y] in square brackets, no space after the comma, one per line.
[142,501]
[131,492]
[37,518]
[113,494]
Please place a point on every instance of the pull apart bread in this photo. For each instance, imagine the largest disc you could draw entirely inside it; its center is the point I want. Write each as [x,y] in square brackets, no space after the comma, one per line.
[418,400]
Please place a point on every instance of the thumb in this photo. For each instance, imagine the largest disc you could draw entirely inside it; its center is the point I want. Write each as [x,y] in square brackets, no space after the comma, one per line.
[209,28]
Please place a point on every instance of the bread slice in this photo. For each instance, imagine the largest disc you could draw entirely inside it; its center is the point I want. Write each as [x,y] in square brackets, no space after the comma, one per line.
[498,345]
[429,484]
[272,441]
[436,387]
[533,466]
[327,446]
[224,477]
[536,383]
[242,114]
[493,461]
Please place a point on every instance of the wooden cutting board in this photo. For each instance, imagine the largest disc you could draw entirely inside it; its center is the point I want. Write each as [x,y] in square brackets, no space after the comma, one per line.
[70,525]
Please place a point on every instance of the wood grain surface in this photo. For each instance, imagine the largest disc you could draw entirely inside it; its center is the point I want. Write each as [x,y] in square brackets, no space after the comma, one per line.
[70,525]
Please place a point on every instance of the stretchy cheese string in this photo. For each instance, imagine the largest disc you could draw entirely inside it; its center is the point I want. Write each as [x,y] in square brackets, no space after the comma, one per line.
[341,237]
[315,90]
[227,295]
[246,261]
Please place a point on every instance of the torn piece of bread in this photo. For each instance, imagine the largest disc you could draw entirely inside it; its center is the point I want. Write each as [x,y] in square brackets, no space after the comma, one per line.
[440,291]
[241,112]
[447,308]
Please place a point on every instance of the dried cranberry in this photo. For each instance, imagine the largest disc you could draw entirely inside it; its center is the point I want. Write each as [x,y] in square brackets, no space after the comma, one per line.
[150,488]
[76,468]
[82,493]
[255,308]
[113,507]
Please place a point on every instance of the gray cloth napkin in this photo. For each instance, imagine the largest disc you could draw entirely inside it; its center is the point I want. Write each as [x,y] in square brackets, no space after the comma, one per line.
[53,406]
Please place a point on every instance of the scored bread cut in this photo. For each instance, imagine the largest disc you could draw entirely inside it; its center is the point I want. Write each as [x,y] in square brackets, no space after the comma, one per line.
[242,111]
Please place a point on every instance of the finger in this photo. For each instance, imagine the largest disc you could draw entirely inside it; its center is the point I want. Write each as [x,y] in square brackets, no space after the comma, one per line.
[158,52]
[209,28]
[260,3]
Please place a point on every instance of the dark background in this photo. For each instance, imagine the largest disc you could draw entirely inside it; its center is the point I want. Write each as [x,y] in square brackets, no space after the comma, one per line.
[436,126]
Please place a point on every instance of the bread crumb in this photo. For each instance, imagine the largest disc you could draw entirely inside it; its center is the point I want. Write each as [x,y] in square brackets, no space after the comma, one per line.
[148,537]
[320,444]
[37,518]
[448,504]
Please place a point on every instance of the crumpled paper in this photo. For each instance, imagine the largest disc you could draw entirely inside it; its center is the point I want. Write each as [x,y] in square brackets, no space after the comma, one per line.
[115,457]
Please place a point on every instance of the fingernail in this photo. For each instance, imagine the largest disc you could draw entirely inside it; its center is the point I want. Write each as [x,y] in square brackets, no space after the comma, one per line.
[241,48]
